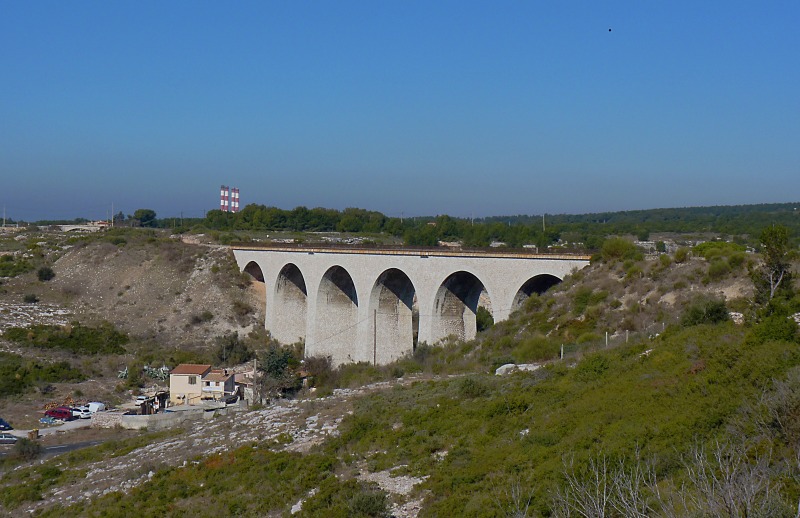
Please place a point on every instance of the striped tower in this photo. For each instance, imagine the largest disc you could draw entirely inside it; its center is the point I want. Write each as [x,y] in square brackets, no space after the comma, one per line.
[235,199]
[224,195]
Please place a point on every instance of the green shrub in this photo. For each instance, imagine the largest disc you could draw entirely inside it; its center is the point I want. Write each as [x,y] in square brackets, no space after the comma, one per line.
[588,337]
[74,337]
[11,267]
[30,298]
[718,269]
[27,449]
[592,367]
[534,349]
[483,319]
[18,374]
[681,255]
[45,273]
[712,249]
[585,296]
[472,387]
[776,327]
[705,311]
[618,249]
[736,260]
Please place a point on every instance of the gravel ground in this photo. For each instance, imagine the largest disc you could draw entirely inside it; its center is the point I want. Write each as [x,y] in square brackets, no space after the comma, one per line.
[309,422]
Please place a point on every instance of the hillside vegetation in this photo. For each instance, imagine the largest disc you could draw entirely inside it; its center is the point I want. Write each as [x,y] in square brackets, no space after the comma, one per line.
[662,405]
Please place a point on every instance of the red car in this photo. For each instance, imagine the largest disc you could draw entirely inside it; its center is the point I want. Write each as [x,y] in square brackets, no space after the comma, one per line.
[63,413]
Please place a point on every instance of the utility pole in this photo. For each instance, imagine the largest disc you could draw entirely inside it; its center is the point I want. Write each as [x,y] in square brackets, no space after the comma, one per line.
[543,230]
[255,371]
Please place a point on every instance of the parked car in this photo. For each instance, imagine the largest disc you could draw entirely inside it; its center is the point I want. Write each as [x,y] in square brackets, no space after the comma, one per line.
[7,438]
[141,399]
[4,425]
[81,412]
[62,413]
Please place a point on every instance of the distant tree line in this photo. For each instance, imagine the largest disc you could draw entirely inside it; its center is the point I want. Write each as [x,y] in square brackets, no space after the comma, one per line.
[590,230]
[585,231]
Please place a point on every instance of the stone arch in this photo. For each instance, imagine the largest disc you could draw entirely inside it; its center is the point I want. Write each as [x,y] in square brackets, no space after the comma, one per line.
[456,305]
[254,270]
[391,312]
[537,284]
[290,303]
[337,316]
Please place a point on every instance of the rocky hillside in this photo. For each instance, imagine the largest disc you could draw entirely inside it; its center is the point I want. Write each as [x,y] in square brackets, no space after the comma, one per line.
[156,288]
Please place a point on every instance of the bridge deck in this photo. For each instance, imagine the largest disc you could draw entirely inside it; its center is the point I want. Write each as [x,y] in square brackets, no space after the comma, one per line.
[413,251]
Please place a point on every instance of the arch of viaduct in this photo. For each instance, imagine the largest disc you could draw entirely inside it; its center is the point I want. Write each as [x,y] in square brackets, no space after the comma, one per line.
[368,304]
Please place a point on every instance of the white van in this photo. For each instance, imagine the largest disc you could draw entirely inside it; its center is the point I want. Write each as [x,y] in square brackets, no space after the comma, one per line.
[96,406]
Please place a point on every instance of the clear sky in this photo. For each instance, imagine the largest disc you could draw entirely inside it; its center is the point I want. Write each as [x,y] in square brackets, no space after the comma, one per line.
[421,108]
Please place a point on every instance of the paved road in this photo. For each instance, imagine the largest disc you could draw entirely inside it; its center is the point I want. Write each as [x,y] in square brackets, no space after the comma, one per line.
[53,429]
[51,451]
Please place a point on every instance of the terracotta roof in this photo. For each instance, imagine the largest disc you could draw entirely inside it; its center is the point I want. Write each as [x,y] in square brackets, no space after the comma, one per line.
[217,375]
[191,368]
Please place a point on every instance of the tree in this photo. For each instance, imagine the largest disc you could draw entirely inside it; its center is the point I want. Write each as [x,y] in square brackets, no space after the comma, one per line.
[277,371]
[146,217]
[775,273]
[231,350]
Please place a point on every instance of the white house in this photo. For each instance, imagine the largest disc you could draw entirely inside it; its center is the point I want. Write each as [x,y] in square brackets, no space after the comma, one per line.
[186,383]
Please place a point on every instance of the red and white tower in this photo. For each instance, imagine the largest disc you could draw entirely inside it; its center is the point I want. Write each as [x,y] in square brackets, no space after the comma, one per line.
[235,199]
[224,198]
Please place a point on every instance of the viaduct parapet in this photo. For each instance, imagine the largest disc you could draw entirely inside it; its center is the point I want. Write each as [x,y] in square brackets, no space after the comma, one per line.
[368,304]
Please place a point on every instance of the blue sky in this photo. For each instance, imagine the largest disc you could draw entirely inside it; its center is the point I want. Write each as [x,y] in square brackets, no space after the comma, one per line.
[419,108]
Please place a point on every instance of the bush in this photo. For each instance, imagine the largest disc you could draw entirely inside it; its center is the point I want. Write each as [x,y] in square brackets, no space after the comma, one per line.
[617,249]
[736,260]
[705,311]
[483,319]
[205,316]
[718,269]
[31,298]
[45,273]
[102,339]
[592,367]
[10,267]
[681,255]
[27,449]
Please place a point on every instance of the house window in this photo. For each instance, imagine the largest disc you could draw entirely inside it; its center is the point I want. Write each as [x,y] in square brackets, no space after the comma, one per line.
[192,380]
[208,383]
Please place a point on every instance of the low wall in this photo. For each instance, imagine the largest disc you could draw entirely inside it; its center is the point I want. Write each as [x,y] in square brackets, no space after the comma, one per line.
[160,421]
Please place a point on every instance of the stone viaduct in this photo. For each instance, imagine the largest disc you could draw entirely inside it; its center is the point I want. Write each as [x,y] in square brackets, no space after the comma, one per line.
[361,304]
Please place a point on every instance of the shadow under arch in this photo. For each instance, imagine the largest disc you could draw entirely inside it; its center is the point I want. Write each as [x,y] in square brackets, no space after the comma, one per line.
[290,302]
[456,305]
[254,270]
[335,330]
[537,284]
[391,310]
[258,285]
